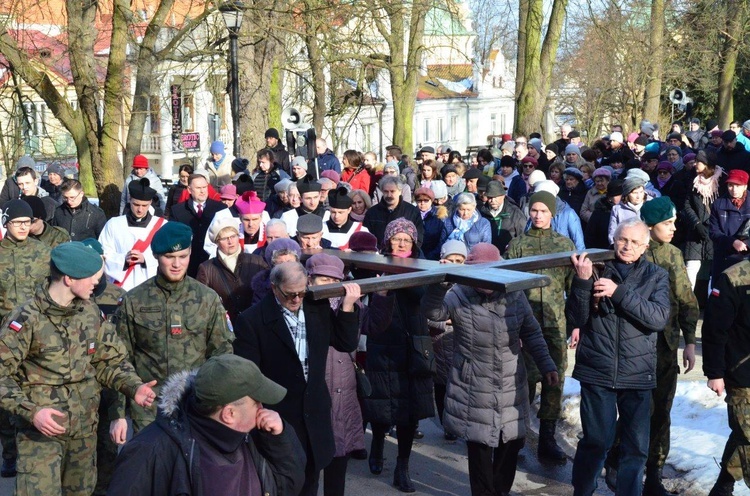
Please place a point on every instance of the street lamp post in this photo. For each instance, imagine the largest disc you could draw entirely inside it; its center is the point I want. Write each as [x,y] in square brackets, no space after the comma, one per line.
[232,12]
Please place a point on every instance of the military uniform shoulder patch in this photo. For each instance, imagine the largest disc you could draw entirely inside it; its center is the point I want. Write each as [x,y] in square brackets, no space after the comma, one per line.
[15,326]
[715,292]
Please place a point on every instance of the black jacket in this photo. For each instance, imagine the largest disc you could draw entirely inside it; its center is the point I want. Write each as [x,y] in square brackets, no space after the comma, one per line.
[596,234]
[86,221]
[281,158]
[378,217]
[185,212]
[261,335]
[163,459]
[726,328]
[695,223]
[617,347]
[398,397]
[509,224]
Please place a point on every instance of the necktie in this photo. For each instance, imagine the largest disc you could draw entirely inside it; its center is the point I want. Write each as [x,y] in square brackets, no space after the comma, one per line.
[200,210]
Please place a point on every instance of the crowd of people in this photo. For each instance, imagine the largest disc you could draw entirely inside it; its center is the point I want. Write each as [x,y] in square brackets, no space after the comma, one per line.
[204,309]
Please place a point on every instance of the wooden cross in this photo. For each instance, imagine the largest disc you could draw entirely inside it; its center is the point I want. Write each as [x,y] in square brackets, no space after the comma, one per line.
[503,275]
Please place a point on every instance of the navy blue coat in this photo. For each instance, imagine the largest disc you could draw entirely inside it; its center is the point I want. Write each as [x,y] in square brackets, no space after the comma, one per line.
[725,221]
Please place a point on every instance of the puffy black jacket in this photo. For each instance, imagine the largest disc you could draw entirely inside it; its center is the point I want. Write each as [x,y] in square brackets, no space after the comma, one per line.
[378,216]
[86,221]
[164,459]
[617,347]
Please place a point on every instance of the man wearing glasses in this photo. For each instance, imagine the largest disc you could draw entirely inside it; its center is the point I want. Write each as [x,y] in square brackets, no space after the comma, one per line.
[619,311]
[287,335]
[24,264]
[77,215]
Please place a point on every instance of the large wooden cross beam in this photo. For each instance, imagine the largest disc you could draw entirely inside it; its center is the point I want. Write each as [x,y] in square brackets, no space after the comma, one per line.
[503,275]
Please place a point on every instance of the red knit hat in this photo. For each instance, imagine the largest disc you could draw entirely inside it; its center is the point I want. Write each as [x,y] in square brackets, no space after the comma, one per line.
[482,253]
[140,162]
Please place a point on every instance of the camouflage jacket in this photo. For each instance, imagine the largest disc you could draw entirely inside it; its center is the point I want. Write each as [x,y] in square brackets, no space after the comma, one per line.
[170,327]
[53,356]
[52,236]
[548,303]
[682,301]
[23,266]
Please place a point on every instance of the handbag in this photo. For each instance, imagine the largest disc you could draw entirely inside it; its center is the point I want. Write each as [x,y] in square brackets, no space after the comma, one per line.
[421,356]
[364,388]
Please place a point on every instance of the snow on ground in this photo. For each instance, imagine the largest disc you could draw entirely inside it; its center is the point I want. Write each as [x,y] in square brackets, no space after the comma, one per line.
[699,432]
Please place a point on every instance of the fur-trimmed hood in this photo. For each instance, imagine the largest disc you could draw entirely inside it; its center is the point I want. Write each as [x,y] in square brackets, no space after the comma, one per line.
[175,392]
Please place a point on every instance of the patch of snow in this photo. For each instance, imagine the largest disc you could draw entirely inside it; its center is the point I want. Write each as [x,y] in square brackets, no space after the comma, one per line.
[699,432]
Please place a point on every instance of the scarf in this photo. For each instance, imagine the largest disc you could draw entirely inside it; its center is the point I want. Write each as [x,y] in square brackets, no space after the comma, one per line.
[737,202]
[662,182]
[462,226]
[230,261]
[708,187]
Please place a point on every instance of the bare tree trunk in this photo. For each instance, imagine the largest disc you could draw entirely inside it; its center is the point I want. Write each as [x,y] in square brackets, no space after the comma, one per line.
[737,11]
[656,62]
[523,14]
[256,64]
[539,59]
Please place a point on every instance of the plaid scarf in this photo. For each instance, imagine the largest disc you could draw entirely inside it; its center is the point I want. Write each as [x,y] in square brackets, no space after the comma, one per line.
[296,325]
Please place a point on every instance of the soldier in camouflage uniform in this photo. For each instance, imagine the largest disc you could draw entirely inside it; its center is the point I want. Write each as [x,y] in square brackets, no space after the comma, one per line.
[55,351]
[24,264]
[726,348]
[170,323]
[660,215]
[108,300]
[548,304]
[41,230]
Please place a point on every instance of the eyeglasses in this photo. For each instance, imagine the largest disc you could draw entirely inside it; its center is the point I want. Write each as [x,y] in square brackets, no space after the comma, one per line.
[629,243]
[19,223]
[664,172]
[402,241]
[528,166]
[73,198]
[228,238]
[423,200]
[291,296]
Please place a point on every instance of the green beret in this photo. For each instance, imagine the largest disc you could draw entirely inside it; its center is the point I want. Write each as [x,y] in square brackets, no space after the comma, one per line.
[172,236]
[658,210]
[76,260]
[95,244]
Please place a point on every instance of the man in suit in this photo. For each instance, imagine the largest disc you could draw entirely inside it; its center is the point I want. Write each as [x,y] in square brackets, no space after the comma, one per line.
[287,336]
[197,212]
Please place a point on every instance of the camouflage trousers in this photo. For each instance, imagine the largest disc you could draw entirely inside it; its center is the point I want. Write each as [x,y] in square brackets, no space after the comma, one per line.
[662,398]
[55,466]
[7,436]
[550,403]
[106,450]
[736,457]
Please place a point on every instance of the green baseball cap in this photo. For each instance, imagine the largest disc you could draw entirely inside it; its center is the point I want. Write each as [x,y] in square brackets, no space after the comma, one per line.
[227,378]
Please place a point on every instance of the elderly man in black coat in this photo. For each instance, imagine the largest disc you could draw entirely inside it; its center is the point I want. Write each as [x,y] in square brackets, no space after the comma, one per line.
[619,314]
[288,336]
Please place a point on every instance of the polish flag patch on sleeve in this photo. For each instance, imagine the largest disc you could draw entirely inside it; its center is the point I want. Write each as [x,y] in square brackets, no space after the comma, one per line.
[715,292]
[15,326]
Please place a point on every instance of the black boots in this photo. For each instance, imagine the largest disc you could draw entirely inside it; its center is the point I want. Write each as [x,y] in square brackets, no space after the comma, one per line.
[9,467]
[653,485]
[724,485]
[548,448]
[401,478]
[376,455]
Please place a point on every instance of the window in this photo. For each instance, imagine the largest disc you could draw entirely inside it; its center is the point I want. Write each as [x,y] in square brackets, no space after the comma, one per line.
[503,122]
[440,129]
[367,136]
[454,128]
[188,112]
[154,117]
[493,123]
[426,130]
